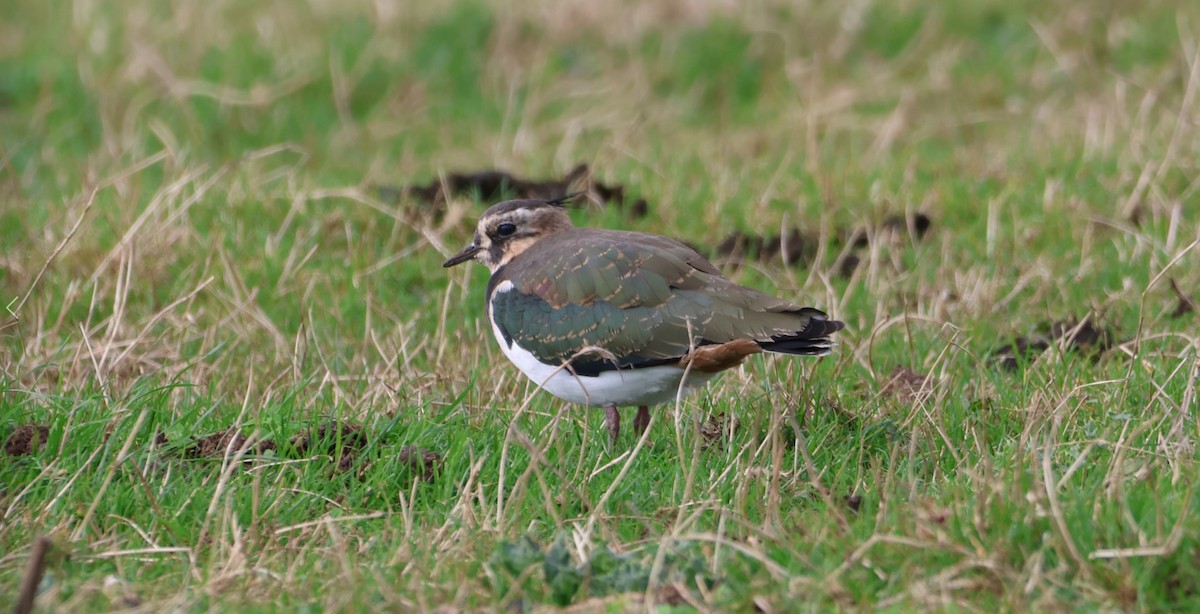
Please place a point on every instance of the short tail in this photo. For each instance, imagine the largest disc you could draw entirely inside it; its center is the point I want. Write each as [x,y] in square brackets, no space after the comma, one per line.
[813,340]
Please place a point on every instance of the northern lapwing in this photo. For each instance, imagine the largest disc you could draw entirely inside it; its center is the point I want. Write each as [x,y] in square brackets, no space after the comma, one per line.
[611,319]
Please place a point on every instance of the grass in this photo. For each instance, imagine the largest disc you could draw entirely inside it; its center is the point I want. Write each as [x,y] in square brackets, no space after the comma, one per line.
[194,243]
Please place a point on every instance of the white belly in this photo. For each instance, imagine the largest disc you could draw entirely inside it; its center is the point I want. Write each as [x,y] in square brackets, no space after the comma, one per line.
[623,388]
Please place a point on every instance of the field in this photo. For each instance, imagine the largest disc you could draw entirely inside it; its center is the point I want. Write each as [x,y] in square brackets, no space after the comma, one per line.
[235,376]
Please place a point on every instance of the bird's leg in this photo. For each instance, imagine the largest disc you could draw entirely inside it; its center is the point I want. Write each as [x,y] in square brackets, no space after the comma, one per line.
[642,421]
[612,418]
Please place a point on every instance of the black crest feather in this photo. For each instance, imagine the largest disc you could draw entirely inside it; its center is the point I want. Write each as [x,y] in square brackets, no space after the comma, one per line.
[562,201]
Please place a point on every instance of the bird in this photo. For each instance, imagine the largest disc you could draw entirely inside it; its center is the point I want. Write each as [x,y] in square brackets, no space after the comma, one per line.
[612,318]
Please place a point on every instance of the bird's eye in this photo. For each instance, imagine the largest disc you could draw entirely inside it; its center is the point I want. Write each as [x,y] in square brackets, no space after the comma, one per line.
[506,229]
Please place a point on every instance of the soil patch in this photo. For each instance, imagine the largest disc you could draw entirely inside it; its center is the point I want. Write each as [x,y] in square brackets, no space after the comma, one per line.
[324,439]
[216,445]
[1083,337]
[854,502]
[719,427]
[427,462]
[904,384]
[916,224]
[494,185]
[26,439]
[795,246]
[1184,304]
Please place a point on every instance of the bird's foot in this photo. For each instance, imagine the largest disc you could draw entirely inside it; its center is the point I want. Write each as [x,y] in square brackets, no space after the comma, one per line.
[642,421]
[612,419]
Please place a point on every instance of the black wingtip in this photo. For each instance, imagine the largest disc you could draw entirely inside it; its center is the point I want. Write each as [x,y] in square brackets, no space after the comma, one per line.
[562,201]
[814,340]
[816,346]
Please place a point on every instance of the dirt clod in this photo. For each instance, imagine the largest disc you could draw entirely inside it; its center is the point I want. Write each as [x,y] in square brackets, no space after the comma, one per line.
[1022,349]
[613,194]
[1184,303]
[640,208]
[216,445]
[736,244]
[918,224]
[793,247]
[492,185]
[427,462]
[1084,337]
[719,427]
[854,502]
[325,438]
[904,384]
[670,594]
[346,461]
[846,265]
[26,439]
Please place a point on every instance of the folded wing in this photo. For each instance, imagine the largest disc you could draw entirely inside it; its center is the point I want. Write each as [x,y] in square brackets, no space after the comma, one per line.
[646,300]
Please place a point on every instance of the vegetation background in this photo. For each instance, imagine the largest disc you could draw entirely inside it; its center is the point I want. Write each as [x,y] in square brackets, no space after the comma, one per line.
[234,376]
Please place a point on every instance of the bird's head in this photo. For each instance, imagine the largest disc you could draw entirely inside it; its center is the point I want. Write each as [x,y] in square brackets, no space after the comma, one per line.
[506,229]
